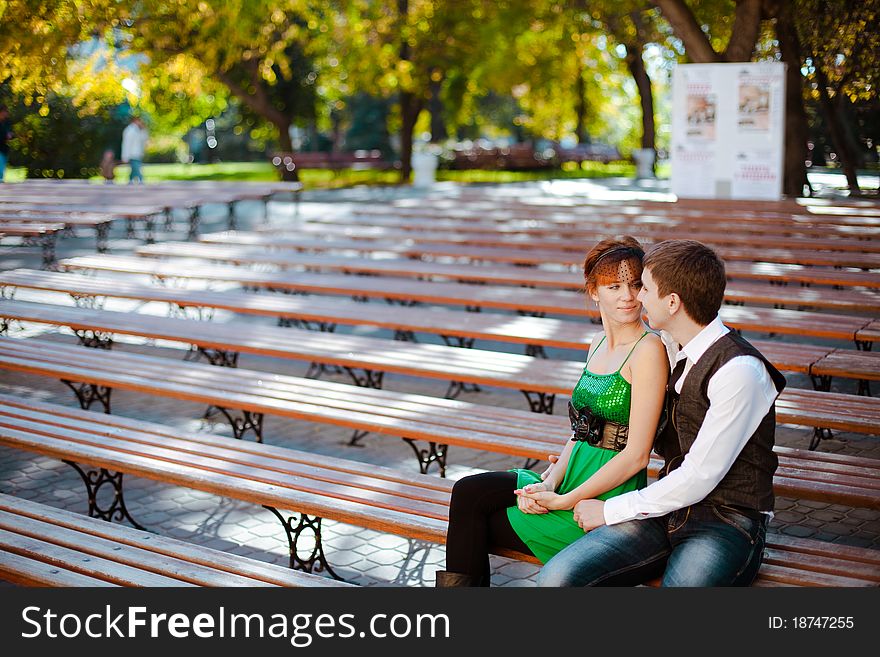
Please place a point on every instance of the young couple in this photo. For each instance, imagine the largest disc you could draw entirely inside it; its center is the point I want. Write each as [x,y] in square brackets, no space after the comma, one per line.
[590,517]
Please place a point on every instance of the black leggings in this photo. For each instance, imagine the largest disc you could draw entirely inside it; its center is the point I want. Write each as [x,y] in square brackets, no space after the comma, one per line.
[478,520]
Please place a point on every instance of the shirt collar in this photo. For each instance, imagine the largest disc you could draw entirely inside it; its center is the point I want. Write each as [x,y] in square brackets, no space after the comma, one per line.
[698,345]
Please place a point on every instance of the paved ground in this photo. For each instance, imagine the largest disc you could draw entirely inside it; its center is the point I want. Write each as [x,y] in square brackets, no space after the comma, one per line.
[361,556]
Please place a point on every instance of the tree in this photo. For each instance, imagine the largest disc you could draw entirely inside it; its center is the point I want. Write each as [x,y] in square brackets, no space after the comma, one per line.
[842,47]
[35,39]
[738,36]
[402,49]
[257,49]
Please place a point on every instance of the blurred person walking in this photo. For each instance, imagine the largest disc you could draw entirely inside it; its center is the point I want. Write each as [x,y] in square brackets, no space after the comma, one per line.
[5,136]
[134,142]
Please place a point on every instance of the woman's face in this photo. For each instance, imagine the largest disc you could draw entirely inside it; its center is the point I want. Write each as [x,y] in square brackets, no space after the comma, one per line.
[618,296]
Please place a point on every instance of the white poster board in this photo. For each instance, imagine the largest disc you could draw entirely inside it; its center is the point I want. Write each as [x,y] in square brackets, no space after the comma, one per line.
[728,130]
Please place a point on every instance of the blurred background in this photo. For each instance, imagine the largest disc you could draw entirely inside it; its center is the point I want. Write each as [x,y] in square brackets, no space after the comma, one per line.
[495,90]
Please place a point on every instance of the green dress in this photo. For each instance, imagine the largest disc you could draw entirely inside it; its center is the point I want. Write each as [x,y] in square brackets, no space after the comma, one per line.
[608,396]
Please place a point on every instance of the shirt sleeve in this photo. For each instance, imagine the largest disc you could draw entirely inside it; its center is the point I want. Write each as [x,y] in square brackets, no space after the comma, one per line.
[740,394]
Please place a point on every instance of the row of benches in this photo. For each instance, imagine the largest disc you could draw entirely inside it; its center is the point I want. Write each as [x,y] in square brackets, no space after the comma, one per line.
[44,546]
[246,396]
[411,505]
[860,330]
[569,260]
[456,328]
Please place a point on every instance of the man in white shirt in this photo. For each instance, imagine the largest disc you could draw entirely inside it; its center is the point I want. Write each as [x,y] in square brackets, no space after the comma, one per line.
[703,522]
[134,142]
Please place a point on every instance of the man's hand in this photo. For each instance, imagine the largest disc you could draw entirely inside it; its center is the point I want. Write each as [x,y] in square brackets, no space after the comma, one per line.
[589,514]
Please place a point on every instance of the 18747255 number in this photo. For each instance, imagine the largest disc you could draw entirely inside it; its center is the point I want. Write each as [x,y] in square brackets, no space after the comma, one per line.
[811,622]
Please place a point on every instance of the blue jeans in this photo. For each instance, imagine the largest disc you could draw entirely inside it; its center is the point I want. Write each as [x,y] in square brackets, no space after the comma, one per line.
[136,173]
[701,545]
[3,160]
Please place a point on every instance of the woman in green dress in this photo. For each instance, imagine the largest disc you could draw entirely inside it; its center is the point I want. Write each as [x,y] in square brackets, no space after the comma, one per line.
[615,409]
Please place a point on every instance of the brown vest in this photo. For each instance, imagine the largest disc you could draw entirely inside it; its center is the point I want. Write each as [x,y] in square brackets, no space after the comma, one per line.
[749,482]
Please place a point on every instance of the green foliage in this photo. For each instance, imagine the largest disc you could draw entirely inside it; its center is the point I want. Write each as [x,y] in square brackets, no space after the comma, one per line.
[66,143]
[368,124]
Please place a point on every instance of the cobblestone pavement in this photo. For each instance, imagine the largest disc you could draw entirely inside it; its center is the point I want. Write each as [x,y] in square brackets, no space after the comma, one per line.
[359,555]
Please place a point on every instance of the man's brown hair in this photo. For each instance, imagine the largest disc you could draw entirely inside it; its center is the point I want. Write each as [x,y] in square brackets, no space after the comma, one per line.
[693,271]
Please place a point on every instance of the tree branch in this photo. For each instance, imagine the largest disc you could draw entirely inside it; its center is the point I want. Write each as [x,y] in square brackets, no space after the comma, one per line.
[686,28]
[746,27]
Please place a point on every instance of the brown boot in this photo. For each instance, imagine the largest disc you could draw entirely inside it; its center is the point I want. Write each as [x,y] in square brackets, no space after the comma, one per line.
[446,579]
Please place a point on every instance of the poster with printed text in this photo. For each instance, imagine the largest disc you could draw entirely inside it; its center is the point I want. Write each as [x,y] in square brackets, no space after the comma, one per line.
[728,127]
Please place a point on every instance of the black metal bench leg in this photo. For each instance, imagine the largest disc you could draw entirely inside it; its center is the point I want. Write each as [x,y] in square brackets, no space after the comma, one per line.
[457,387]
[536,351]
[94,339]
[356,437]
[216,357]
[94,481]
[194,218]
[821,382]
[820,434]
[316,561]
[540,402]
[89,393]
[101,232]
[434,454]
[369,379]
[241,424]
[230,217]
[149,230]
[47,245]
[458,341]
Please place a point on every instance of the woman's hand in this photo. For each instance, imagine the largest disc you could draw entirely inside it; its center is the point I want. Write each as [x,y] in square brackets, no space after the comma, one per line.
[547,499]
[527,504]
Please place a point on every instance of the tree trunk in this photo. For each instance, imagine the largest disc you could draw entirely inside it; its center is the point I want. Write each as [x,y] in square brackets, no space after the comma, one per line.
[796,129]
[580,129]
[744,35]
[686,28]
[410,106]
[837,136]
[286,146]
[259,102]
[435,107]
[643,84]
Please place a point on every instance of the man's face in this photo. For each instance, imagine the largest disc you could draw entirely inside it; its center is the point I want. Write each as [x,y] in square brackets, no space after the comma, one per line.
[654,306]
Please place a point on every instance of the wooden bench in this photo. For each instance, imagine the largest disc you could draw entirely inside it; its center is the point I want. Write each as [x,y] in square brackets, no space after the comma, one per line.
[245,396]
[529,216]
[565,240]
[405,291]
[568,259]
[772,320]
[534,302]
[44,546]
[859,300]
[561,277]
[221,343]
[456,328]
[188,195]
[411,505]
[332,160]
[100,223]
[42,234]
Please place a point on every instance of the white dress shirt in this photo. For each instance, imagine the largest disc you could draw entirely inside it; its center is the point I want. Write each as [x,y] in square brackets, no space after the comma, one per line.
[740,394]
